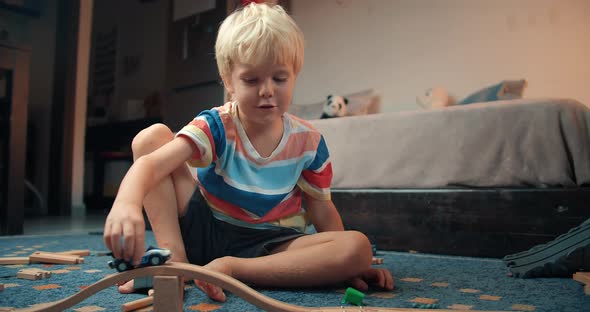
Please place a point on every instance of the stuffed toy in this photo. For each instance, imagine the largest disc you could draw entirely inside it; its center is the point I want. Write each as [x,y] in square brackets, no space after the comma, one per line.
[505,90]
[335,106]
[436,97]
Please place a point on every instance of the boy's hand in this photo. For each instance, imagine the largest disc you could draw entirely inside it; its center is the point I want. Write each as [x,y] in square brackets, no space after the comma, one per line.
[124,233]
[380,277]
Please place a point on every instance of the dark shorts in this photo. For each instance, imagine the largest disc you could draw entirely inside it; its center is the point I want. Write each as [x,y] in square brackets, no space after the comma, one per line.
[206,237]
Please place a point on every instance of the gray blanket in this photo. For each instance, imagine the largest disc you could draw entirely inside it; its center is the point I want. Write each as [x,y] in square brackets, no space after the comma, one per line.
[516,143]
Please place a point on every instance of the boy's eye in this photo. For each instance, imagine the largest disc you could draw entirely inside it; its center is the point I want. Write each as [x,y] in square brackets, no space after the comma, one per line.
[250,80]
[280,79]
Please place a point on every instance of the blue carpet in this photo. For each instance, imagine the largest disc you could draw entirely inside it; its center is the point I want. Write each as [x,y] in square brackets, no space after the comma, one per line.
[450,282]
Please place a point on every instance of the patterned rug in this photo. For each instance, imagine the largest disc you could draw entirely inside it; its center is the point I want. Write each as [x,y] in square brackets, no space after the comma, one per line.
[442,281]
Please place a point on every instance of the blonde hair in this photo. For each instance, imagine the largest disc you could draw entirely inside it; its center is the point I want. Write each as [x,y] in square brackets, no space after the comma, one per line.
[258,33]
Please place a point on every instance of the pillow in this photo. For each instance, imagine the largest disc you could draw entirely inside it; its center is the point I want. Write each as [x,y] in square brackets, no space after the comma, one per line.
[308,112]
[359,103]
[436,97]
[505,90]
[363,103]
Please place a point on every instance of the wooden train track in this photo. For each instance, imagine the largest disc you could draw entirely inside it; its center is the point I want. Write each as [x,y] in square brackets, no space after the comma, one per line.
[189,271]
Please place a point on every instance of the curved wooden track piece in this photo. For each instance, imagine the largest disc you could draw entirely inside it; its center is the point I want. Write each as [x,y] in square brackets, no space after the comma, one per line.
[189,271]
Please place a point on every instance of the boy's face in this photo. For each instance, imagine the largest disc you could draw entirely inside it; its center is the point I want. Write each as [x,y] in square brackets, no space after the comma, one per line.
[263,92]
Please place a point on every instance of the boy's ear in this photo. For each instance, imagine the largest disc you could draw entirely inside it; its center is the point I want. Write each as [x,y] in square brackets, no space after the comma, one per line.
[227,84]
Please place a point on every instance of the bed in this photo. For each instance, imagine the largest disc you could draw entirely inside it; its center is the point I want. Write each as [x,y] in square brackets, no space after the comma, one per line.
[486,179]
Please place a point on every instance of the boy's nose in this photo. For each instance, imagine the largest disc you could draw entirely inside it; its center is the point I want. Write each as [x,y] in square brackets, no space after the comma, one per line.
[266,90]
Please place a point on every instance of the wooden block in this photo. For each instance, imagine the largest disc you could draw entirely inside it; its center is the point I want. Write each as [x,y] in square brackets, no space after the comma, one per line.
[377,260]
[77,252]
[47,257]
[29,275]
[137,304]
[168,293]
[14,260]
[1,287]
[151,292]
[44,273]
[582,277]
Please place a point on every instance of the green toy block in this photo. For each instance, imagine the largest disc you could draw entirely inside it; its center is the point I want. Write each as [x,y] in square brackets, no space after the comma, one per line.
[353,296]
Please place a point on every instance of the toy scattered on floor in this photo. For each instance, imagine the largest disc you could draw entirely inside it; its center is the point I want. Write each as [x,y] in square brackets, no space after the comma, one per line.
[55,258]
[14,260]
[560,257]
[168,291]
[335,106]
[62,257]
[152,256]
[140,303]
[1,287]
[353,296]
[33,274]
[375,259]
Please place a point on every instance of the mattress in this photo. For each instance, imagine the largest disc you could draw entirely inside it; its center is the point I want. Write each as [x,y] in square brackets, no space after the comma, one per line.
[516,143]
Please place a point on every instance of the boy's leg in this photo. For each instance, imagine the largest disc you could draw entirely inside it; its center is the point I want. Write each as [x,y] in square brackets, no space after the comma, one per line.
[167,201]
[314,260]
[365,276]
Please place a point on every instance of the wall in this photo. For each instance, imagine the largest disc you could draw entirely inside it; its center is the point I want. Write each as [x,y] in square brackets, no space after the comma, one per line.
[402,47]
[142,34]
[42,40]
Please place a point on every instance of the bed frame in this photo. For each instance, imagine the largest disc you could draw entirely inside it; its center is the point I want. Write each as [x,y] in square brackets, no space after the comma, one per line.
[491,222]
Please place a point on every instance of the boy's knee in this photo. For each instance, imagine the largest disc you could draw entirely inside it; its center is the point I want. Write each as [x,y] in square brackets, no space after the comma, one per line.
[358,247]
[150,139]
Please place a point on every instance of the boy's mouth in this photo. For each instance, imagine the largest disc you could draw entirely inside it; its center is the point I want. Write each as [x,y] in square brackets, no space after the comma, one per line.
[266,106]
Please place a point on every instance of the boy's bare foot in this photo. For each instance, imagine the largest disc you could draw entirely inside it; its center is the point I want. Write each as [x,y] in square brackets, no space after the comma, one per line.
[378,277]
[215,292]
[127,287]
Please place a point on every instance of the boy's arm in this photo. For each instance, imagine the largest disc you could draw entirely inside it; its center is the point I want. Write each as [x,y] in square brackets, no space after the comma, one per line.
[124,227]
[323,214]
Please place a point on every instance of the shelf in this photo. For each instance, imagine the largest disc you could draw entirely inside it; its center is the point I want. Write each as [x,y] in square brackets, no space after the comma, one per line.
[22,10]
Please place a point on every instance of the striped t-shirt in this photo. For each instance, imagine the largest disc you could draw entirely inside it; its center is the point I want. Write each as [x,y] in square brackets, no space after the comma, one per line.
[246,189]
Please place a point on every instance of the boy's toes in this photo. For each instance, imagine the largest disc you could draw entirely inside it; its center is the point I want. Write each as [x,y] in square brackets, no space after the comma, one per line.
[217,294]
[359,284]
[127,287]
[214,292]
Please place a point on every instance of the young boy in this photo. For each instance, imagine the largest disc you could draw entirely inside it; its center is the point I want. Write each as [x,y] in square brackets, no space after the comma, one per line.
[243,215]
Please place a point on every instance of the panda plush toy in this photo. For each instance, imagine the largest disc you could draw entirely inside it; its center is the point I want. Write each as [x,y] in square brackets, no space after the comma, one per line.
[335,106]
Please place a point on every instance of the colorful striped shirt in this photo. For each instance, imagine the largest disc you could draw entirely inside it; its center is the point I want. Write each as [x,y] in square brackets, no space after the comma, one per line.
[246,189]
